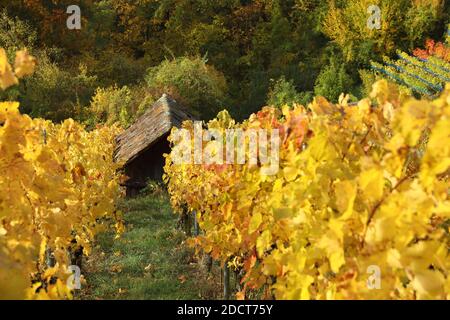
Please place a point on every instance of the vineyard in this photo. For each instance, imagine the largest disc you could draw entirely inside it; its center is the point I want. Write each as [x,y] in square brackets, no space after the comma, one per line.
[59,185]
[237,150]
[358,187]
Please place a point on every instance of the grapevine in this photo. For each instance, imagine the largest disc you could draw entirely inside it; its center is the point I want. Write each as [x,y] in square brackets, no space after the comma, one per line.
[358,187]
[58,186]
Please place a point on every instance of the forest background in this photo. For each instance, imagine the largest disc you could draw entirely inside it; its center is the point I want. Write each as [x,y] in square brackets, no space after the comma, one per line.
[210,55]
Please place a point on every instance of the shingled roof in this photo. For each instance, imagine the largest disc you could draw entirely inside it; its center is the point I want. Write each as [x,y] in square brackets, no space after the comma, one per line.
[157,121]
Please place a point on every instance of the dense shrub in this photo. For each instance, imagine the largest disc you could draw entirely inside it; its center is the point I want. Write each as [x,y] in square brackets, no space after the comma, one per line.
[55,93]
[201,86]
[332,81]
[112,105]
[119,105]
[282,92]
[115,68]
[15,34]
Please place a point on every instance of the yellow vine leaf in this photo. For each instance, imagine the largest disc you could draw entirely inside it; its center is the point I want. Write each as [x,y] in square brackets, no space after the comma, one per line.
[263,242]
[7,77]
[255,222]
[359,188]
[24,64]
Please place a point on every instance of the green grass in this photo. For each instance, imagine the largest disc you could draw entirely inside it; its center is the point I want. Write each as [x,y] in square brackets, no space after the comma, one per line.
[149,261]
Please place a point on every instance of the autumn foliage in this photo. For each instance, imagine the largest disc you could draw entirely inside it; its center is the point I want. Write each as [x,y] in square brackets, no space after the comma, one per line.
[59,185]
[358,186]
[433,48]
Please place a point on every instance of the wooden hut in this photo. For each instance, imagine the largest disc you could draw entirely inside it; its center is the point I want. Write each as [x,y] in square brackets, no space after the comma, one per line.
[141,147]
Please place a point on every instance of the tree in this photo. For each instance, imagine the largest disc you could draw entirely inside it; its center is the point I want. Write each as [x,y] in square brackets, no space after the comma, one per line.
[54,93]
[283,92]
[15,34]
[332,81]
[347,25]
[199,86]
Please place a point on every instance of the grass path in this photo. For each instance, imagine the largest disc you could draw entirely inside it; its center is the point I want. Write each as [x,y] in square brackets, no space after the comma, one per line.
[149,261]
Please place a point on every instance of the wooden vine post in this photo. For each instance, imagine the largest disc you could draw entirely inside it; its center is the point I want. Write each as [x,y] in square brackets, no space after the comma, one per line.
[226,281]
[196,228]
